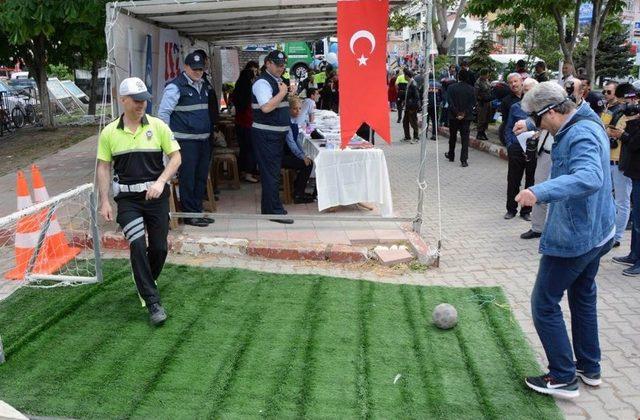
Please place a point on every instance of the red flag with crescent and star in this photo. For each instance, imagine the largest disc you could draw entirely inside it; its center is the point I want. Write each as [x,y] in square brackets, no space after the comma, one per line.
[362,54]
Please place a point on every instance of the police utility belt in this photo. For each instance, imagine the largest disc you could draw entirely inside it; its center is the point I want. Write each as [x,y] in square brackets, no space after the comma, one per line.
[132,188]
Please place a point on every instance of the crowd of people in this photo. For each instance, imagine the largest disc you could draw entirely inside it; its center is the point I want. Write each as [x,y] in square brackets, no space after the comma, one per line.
[578,151]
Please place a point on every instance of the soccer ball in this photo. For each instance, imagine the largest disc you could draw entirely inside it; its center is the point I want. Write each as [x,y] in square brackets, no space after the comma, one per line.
[445,316]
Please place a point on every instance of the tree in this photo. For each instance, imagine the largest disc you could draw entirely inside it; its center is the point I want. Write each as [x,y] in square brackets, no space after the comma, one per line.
[482,46]
[35,26]
[399,20]
[525,12]
[613,57]
[87,47]
[601,10]
[442,35]
[541,41]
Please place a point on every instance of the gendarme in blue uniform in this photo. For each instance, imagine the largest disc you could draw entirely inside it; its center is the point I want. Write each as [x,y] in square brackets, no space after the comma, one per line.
[268,135]
[191,124]
[190,118]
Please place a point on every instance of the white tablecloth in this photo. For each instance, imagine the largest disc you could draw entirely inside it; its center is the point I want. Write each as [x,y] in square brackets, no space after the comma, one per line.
[347,176]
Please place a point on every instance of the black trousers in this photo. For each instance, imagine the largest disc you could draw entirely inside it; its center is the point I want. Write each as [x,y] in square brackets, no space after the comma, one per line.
[193,172]
[268,147]
[431,113]
[410,118]
[303,172]
[400,105]
[247,158]
[484,116]
[135,216]
[463,127]
[519,164]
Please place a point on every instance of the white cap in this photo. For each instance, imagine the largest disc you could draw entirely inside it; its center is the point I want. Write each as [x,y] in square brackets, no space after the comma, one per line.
[134,87]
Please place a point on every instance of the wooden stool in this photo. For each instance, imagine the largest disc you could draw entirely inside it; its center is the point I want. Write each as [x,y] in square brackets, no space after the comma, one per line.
[209,204]
[174,203]
[232,178]
[287,177]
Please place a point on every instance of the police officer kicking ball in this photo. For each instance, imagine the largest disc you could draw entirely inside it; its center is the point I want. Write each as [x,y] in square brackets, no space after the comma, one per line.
[271,122]
[135,144]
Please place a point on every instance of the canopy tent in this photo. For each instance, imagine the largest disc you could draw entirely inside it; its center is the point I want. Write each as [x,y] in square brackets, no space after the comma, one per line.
[240,22]
[213,25]
[136,30]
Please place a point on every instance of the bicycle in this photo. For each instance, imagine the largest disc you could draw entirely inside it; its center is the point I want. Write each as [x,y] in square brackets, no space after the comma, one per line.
[18,117]
[6,124]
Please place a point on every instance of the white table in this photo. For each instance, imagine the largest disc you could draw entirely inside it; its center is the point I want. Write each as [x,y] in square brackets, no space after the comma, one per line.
[345,177]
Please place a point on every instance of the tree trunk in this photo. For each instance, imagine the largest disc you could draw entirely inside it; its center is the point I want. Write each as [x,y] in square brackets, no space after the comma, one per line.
[93,92]
[39,69]
[601,9]
[441,33]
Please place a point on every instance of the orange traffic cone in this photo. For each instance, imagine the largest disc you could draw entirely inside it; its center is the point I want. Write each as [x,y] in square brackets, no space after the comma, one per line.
[27,231]
[56,251]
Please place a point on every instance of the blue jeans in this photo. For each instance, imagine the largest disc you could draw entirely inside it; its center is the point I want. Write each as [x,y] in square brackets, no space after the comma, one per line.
[635,218]
[622,192]
[577,276]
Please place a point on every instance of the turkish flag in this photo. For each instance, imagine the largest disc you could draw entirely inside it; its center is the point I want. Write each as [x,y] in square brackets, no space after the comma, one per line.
[362,53]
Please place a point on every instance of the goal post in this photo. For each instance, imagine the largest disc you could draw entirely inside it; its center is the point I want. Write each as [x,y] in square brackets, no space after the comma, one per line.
[53,243]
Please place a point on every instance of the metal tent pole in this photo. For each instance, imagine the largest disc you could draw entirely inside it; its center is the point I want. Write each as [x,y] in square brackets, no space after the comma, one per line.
[417,224]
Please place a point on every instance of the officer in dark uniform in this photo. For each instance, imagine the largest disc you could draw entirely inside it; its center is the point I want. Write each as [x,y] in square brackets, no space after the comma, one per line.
[136,143]
[271,122]
[185,107]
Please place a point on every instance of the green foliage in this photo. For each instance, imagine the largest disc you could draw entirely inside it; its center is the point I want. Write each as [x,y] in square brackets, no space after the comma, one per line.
[479,58]
[613,55]
[541,40]
[399,20]
[508,69]
[442,63]
[242,344]
[61,71]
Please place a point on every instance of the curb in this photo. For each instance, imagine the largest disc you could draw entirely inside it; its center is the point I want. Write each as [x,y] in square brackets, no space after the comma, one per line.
[291,251]
[181,244]
[482,145]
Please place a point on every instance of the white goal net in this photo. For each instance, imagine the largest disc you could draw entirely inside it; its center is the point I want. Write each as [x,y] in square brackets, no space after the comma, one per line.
[52,243]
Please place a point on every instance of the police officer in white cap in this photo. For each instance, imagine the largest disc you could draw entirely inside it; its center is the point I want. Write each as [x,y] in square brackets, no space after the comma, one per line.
[185,108]
[135,145]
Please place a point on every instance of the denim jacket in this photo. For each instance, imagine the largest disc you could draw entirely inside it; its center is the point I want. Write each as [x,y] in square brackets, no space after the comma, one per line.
[581,212]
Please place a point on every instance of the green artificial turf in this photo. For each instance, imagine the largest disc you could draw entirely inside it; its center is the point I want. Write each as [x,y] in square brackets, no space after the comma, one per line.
[242,344]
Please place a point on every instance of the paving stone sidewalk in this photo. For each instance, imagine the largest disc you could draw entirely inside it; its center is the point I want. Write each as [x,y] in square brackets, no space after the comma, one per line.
[480,248]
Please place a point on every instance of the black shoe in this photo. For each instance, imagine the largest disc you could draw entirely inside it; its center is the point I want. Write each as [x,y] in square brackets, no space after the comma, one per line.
[464,164]
[633,271]
[626,260]
[591,379]
[616,244]
[545,384]
[195,221]
[481,136]
[302,199]
[157,315]
[508,215]
[433,137]
[406,140]
[526,217]
[283,221]
[450,157]
[208,220]
[530,234]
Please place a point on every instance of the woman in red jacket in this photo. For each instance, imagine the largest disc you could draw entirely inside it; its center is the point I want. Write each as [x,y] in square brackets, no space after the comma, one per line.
[392,92]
